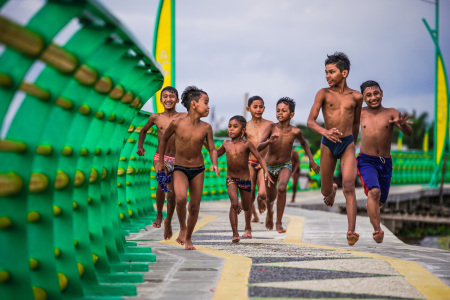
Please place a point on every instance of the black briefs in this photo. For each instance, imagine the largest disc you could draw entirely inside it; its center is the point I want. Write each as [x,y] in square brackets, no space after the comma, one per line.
[189,172]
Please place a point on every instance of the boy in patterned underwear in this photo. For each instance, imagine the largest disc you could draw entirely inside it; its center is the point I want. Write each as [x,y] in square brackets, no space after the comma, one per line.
[341,110]
[254,129]
[238,173]
[189,172]
[374,162]
[169,98]
[279,138]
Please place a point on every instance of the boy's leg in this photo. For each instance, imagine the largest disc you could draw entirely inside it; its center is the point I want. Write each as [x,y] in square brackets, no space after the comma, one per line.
[262,193]
[327,167]
[160,196]
[254,214]
[181,185]
[195,196]
[271,196]
[283,179]
[348,169]
[373,209]
[248,214]
[295,178]
[170,210]
[234,208]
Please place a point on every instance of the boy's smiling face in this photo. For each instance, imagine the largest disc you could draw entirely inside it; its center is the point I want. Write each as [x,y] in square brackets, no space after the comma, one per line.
[235,129]
[333,75]
[256,109]
[373,96]
[202,105]
[169,99]
[283,112]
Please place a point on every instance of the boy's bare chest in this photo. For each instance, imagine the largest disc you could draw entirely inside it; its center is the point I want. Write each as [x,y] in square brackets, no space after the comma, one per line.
[162,122]
[341,102]
[375,124]
[189,133]
[236,150]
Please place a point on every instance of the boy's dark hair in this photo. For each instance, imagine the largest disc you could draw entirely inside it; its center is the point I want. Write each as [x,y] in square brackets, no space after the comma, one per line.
[254,98]
[340,59]
[240,119]
[369,83]
[288,101]
[169,89]
[191,93]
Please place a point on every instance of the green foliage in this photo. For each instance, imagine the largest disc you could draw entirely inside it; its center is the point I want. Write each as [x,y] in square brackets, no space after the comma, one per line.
[221,133]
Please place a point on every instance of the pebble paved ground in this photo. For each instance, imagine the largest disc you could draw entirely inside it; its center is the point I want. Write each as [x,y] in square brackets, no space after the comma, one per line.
[312,260]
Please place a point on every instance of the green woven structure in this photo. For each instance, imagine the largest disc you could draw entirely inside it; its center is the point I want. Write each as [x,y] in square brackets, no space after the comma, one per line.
[61,232]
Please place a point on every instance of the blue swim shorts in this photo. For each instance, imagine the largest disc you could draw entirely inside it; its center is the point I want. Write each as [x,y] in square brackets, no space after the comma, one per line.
[375,172]
[338,148]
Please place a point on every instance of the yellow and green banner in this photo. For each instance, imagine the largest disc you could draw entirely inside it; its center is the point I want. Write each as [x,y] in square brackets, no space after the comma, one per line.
[426,140]
[164,46]
[442,114]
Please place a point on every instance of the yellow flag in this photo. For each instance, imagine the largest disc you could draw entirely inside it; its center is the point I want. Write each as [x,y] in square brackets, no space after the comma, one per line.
[426,142]
[441,110]
[164,46]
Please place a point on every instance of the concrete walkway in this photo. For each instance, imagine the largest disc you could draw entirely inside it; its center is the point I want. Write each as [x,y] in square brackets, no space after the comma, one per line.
[312,260]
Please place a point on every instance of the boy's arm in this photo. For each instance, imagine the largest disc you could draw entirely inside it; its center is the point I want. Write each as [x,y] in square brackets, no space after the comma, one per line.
[357,119]
[402,123]
[333,134]
[312,164]
[261,161]
[143,133]
[221,151]
[163,144]
[212,150]
[265,140]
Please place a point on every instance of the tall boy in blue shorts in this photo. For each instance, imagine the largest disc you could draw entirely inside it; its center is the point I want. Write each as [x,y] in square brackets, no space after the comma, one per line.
[374,163]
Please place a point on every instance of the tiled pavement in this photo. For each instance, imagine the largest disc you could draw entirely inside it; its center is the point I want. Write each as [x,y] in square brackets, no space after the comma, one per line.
[272,265]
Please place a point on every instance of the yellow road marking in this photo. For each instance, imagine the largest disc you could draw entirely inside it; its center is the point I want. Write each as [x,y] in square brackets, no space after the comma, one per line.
[236,269]
[425,282]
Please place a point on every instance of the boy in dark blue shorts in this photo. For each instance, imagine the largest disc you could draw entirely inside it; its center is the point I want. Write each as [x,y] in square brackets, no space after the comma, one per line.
[374,163]
[341,110]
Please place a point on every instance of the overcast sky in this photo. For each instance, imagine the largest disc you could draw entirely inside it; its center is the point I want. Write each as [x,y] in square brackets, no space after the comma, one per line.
[277,48]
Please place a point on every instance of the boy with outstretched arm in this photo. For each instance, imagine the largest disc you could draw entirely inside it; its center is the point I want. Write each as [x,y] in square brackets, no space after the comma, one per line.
[238,174]
[374,162]
[189,171]
[169,98]
[279,138]
[341,109]
[254,129]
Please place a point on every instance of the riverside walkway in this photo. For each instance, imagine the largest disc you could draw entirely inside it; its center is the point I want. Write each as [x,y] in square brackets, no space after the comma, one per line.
[312,260]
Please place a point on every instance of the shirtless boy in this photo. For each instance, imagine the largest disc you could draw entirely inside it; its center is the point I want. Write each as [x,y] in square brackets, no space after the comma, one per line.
[254,129]
[279,138]
[238,173]
[295,173]
[374,162]
[189,171]
[169,98]
[341,109]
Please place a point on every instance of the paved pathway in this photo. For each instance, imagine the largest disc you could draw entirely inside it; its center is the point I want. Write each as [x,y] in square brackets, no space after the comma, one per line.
[312,260]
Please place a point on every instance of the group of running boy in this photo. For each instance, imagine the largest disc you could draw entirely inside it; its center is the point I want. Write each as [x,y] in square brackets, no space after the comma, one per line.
[260,154]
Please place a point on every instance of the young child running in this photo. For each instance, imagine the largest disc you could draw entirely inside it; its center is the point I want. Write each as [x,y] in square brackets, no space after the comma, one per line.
[341,109]
[295,173]
[189,173]
[279,138]
[254,129]
[238,174]
[169,98]
[374,162]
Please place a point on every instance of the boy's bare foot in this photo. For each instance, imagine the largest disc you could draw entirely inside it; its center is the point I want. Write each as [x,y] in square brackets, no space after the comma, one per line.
[157,223]
[236,239]
[247,234]
[261,205]
[293,200]
[280,228]
[352,238]
[181,238]
[378,236]
[329,201]
[189,245]
[255,219]
[269,220]
[167,230]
